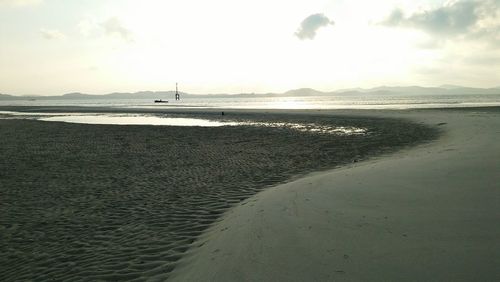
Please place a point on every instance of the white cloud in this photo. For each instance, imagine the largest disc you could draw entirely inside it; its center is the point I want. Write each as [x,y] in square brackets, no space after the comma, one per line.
[467,20]
[449,19]
[311,24]
[114,27]
[51,34]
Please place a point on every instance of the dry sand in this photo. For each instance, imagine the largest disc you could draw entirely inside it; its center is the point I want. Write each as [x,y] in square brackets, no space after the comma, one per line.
[104,202]
[429,213]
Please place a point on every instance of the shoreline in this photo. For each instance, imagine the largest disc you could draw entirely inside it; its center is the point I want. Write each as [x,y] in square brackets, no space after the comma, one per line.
[426,213]
[125,202]
[108,109]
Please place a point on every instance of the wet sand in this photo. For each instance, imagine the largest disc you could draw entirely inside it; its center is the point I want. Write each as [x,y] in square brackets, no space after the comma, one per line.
[107,202]
[427,213]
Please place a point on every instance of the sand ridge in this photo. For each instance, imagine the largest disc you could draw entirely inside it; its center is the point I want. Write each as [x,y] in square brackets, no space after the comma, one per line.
[428,213]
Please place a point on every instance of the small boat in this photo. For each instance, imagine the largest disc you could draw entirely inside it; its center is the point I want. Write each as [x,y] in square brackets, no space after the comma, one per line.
[177,95]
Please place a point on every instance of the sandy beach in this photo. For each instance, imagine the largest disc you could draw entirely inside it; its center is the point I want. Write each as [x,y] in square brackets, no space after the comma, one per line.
[250,140]
[414,199]
[108,202]
[427,213]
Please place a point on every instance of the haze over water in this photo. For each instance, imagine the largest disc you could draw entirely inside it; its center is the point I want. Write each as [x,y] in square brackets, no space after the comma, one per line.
[319,102]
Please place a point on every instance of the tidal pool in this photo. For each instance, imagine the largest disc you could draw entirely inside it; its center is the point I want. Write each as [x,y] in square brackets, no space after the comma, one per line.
[145,119]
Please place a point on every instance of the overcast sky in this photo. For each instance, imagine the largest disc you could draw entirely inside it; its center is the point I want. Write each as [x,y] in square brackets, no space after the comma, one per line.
[52,47]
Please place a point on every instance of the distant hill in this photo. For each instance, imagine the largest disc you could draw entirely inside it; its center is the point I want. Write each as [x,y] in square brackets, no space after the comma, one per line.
[302,92]
[419,90]
[135,95]
[450,86]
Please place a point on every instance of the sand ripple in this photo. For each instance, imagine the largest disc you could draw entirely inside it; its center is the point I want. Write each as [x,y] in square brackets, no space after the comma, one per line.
[102,202]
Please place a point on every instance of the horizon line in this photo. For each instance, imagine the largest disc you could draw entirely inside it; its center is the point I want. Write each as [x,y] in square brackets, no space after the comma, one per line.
[442,86]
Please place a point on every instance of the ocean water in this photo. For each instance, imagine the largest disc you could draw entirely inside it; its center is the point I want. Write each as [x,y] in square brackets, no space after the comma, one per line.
[319,102]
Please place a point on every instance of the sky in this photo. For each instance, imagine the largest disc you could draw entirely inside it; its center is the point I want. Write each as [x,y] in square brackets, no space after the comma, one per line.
[52,47]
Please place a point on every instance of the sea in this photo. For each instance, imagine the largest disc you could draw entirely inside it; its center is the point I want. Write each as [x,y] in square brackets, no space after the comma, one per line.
[316,103]
[310,102]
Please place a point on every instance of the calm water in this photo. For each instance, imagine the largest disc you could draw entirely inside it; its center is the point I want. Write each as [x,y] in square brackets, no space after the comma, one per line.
[119,119]
[172,120]
[130,119]
[331,102]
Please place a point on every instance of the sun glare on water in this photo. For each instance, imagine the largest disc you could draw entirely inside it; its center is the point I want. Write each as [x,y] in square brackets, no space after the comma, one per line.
[289,103]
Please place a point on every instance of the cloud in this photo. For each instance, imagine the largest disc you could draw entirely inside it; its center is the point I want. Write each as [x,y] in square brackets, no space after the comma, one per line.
[19,3]
[488,26]
[310,26]
[450,19]
[457,22]
[114,27]
[51,34]
[482,59]
[395,18]
[453,19]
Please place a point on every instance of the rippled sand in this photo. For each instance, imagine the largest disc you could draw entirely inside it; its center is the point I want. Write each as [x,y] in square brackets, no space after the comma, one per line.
[125,202]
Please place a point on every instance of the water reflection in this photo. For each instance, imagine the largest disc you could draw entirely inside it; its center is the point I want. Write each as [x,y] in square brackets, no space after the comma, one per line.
[145,119]
[117,119]
[135,120]
[5,114]
[312,127]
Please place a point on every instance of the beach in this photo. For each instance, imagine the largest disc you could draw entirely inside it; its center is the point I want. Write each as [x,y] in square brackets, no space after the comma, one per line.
[250,141]
[109,202]
[428,213]
[414,198]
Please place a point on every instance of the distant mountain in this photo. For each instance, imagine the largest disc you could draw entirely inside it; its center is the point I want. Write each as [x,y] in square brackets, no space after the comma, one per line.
[136,95]
[77,95]
[403,90]
[302,92]
[10,97]
[419,90]
[450,86]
